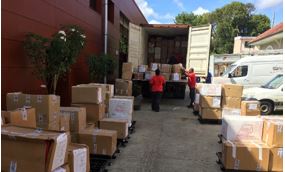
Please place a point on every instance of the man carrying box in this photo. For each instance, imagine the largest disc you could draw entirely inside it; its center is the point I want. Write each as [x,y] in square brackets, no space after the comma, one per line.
[192,84]
[156,83]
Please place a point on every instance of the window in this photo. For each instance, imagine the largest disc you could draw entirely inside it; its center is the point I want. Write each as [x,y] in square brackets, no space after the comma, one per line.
[240,71]
[110,11]
[95,5]
[246,44]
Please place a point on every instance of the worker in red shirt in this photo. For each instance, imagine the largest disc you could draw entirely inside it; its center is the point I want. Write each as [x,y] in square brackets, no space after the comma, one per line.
[157,82]
[192,85]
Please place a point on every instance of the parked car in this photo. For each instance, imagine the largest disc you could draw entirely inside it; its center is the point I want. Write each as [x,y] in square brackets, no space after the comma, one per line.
[270,95]
[254,71]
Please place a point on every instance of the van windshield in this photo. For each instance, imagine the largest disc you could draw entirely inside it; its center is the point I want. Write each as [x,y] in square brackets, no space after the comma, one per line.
[228,70]
[276,82]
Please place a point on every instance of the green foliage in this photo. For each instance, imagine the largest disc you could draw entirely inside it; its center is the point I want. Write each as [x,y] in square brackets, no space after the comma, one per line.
[101,66]
[124,44]
[54,56]
[234,19]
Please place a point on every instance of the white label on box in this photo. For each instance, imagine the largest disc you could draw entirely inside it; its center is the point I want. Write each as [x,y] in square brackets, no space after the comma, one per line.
[80,160]
[13,166]
[211,89]
[175,77]
[100,95]
[60,149]
[280,127]
[154,66]
[216,102]
[142,68]
[24,114]
[252,106]
[280,152]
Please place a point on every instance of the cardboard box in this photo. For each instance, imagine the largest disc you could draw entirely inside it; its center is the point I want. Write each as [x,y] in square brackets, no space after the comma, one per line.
[94,112]
[165,68]
[273,132]
[149,75]
[139,76]
[176,68]
[230,111]
[154,66]
[119,125]
[47,108]
[231,102]
[236,128]
[210,102]
[23,117]
[25,149]
[64,122]
[87,94]
[77,117]
[175,76]
[210,89]
[102,142]
[276,159]
[126,75]
[232,90]
[127,67]
[142,68]
[123,87]
[121,109]
[105,88]
[166,76]
[211,113]
[245,156]
[78,158]
[250,108]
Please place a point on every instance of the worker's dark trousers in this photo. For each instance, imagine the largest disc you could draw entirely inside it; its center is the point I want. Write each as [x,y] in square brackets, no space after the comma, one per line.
[192,96]
[156,96]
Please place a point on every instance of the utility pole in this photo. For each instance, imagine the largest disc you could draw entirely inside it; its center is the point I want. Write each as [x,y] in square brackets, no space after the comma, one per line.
[273,20]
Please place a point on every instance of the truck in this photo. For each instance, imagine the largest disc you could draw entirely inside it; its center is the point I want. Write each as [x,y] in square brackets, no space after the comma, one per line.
[270,95]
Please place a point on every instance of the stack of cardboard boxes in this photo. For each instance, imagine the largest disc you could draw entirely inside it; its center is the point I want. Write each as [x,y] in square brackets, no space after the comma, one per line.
[231,97]
[252,143]
[208,101]
[70,133]
[124,86]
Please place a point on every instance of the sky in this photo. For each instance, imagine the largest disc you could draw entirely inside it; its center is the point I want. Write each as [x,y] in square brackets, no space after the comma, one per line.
[164,11]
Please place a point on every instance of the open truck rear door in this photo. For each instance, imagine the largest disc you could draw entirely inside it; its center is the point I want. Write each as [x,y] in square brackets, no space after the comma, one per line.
[198,50]
[137,46]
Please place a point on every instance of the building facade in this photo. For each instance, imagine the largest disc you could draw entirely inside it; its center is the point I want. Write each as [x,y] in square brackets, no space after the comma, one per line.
[45,17]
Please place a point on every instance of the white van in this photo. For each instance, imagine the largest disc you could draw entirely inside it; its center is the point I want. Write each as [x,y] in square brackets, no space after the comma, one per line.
[254,71]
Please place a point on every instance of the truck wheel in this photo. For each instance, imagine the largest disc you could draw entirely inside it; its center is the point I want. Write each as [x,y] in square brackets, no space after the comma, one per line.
[266,107]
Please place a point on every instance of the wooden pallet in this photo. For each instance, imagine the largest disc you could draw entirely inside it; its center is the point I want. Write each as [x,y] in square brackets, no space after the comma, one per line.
[209,121]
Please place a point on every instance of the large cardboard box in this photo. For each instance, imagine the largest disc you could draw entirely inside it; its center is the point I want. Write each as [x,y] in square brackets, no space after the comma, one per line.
[210,89]
[138,76]
[165,68]
[123,87]
[211,113]
[166,76]
[276,159]
[77,117]
[105,88]
[99,141]
[231,102]
[176,68]
[47,108]
[119,125]
[23,117]
[121,109]
[78,158]
[25,149]
[273,132]
[210,102]
[250,108]
[230,111]
[236,128]
[87,94]
[232,90]
[149,75]
[127,67]
[94,112]
[248,156]
[127,75]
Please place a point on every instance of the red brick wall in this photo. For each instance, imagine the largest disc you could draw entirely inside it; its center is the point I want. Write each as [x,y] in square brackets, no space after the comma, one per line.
[45,17]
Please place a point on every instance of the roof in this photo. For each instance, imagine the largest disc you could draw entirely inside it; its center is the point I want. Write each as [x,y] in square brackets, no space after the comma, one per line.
[270,32]
[140,10]
[167,25]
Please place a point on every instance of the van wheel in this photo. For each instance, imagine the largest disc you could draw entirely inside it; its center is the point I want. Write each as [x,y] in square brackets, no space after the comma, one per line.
[266,107]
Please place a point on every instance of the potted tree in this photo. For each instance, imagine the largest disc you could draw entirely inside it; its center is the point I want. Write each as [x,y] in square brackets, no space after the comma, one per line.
[54,56]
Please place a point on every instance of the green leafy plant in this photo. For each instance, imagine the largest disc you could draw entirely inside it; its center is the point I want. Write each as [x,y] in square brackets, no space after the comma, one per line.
[101,66]
[54,56]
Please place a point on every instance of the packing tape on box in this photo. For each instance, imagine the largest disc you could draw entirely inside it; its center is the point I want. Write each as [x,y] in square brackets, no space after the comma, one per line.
[280,127]
[280,152]
[24,114]
[13,166]
[28,99]
[234,149]
[39,98]
[236,164]
[259,150]
[258,166]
